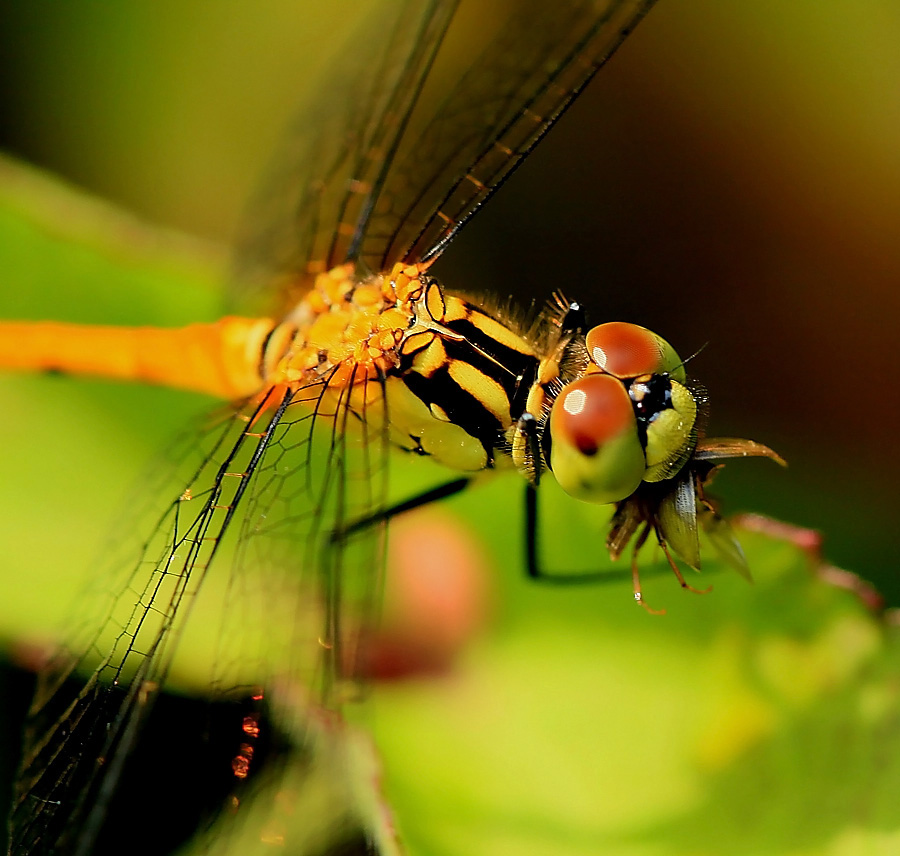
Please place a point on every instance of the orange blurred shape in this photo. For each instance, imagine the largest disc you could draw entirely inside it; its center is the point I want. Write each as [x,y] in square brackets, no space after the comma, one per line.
[32,652]
[436,598]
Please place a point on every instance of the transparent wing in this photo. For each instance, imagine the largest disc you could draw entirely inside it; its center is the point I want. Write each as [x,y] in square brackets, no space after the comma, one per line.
[385,178]
[291,463]
[310,210]
[312,599]
[459,150]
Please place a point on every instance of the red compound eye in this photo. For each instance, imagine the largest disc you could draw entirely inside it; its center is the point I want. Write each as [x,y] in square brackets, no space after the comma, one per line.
[591,411]
[626,350]
[596,452]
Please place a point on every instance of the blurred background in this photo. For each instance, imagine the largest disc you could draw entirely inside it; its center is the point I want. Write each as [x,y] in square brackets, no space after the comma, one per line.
[731,180]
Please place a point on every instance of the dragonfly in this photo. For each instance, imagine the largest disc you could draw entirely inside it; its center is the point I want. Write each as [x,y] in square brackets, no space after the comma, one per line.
[363,353]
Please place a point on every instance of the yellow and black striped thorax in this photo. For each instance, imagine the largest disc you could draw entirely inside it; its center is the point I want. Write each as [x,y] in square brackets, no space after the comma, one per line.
[445,377]
[469,369]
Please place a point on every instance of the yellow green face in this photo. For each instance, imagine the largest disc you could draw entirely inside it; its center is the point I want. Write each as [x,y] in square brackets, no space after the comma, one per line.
[630,418]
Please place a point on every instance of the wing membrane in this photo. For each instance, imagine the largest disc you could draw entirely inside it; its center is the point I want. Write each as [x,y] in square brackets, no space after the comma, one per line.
[297,470]
[312,209]
[395,168]
[78,732]
[459,151]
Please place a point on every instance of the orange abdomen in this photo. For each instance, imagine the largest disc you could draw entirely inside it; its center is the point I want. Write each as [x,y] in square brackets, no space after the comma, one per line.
[221,359]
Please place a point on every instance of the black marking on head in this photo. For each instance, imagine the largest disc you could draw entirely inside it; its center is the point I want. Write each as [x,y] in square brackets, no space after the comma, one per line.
[649,397]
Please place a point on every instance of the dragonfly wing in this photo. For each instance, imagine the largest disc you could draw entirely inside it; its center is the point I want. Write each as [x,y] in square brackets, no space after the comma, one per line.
[312,598]
[94,695]
[404,146]
[124,631]
[461,144]
[309,214]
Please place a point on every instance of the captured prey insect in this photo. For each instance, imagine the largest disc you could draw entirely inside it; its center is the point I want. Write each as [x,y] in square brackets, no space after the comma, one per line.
[367,352]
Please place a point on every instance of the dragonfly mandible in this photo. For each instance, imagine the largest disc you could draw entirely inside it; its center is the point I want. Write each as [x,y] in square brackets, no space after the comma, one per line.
[367,352]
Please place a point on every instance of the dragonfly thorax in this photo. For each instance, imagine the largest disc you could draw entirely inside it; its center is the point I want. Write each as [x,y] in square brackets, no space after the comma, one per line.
[441,375]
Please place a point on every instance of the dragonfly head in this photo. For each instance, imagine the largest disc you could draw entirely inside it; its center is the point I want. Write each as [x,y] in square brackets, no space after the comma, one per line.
[630,418]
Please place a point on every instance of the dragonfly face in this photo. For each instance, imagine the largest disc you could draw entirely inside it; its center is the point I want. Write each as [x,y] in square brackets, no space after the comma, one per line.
[628,419]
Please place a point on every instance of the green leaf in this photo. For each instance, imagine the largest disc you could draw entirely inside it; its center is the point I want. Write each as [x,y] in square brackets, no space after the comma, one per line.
[580,724]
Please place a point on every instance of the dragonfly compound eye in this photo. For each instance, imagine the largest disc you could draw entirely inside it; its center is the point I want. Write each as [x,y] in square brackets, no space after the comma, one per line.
[596,453]
[628,350]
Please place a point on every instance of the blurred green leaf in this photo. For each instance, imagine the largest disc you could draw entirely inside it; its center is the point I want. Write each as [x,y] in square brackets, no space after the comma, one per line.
[584,725]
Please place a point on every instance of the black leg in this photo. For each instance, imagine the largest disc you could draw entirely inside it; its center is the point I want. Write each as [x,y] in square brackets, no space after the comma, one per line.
[536,572]
[426,498]
[528,427]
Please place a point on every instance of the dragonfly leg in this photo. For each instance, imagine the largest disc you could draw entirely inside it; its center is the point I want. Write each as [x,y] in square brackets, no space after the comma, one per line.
[528,427]
[382,516]
[677,571]
[636,574]
[532,553]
